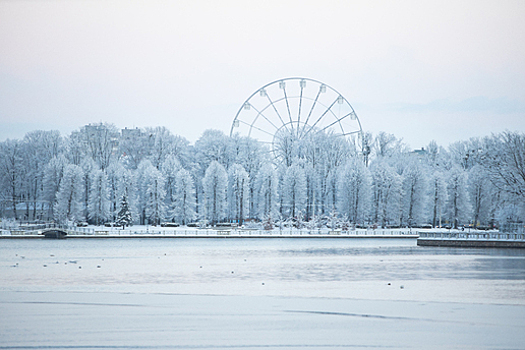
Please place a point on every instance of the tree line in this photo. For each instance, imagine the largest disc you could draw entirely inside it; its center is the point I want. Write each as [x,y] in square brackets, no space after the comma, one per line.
[101,174]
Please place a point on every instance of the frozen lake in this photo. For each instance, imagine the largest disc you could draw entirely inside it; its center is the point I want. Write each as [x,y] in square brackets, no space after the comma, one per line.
[259,293]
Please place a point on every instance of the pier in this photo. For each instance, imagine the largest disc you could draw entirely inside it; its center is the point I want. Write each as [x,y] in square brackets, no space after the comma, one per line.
[475,239]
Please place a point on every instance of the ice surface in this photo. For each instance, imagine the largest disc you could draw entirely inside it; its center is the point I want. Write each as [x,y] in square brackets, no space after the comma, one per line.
[252,294]
[115,320]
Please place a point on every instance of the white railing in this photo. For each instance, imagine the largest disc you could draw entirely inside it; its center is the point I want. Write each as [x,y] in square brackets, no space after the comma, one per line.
[216,232]
[472,235]
[244,233]
[513,228]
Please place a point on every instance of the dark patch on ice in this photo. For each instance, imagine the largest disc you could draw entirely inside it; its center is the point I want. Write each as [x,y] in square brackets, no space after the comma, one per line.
[349,314]
[73,303]
[247,346]
[355,315]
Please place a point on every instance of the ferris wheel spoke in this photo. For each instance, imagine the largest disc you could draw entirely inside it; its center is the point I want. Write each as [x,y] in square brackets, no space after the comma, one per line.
[252,126]
[351,133]
[300,103]
[335,122]
[276,111]
[288,107]
[321,117]
[260,113]
[311,110]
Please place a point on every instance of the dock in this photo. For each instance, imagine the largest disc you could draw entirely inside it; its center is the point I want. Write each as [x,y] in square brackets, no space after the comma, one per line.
[474,239]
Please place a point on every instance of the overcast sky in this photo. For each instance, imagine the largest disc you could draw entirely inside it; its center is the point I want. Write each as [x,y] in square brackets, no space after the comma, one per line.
[422,70]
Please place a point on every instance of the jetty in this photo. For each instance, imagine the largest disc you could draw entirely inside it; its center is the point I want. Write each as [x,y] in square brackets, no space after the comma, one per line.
[472,239]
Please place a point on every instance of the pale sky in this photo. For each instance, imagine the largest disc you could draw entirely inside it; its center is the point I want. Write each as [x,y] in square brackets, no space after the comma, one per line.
[422,70]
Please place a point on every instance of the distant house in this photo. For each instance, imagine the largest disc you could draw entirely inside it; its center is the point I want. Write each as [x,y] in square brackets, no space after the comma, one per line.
[419,153]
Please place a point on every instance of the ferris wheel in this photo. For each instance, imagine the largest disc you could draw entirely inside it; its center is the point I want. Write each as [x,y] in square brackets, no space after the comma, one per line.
[295,108]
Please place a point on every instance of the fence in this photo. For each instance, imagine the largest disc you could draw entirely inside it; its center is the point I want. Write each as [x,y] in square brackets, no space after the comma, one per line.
[518,228]
[243,233]
[117,232]
[473,235]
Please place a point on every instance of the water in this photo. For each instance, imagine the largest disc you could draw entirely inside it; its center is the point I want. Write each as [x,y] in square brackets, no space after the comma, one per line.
[252,293]
[347,268]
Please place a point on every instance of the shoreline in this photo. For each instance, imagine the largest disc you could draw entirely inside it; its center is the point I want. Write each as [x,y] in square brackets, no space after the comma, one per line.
[236,236]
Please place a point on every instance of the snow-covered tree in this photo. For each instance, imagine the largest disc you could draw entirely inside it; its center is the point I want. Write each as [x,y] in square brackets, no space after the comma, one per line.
[140,188]
[212,146]
[268,198]
[458,202]
[134,147]
[39,148]
[170,168]
[114,174]
[155,193]
[88,167]
[11,171]
[32,171]
[127,188]
[286,147]
[184,198]
[354,191]
[124,217]
[367,143]
[100,141]
[415,192]
[466,154]
[251,155]
[387,192]
[294,190]
[324,153]
[436,156]
[69,204]
[312,191]
[75,150]
[330,190]
[437,194]
[51,182]
[214,183]
[510,213]
[387,145]
[480,194]
[238,193]
[504,161]
[98,203]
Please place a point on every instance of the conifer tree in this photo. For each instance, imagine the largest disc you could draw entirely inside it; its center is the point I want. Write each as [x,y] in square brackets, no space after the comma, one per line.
[124,215]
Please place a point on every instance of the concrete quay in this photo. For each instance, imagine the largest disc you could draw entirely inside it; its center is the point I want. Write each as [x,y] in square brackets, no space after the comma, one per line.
[474,239]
